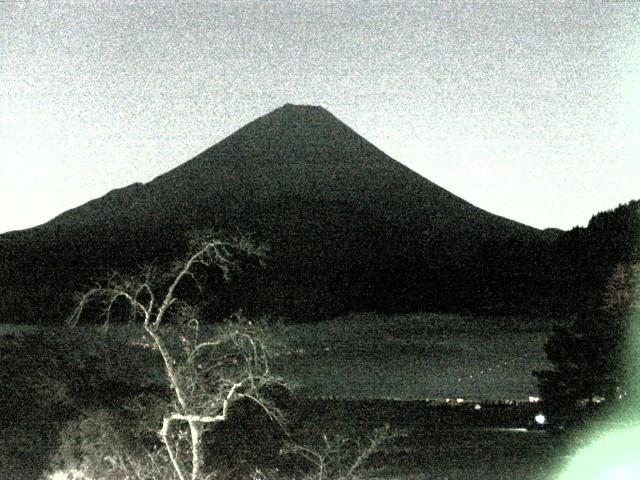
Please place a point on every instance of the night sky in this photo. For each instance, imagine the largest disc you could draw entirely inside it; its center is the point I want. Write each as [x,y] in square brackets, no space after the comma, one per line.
[530,110]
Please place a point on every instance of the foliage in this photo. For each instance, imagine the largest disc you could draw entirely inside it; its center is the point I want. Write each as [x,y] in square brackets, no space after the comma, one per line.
[589,353]
[584,260]
[51,375]
[596,277]
[112,443]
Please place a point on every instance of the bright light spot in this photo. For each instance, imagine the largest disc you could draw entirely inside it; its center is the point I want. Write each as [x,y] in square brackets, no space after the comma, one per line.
[622,473]
[540,419]
[613,456]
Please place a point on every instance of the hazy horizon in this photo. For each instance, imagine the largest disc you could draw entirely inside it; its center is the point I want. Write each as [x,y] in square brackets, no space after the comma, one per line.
[529,110]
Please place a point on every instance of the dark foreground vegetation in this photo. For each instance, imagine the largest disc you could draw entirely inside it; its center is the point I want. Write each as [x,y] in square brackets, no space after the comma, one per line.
[444,441]
[78,399]
[594,350]
[66,400]
[71,396]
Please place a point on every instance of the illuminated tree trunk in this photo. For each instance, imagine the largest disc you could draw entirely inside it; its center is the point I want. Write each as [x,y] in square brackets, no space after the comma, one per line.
[193,396]
[195,428]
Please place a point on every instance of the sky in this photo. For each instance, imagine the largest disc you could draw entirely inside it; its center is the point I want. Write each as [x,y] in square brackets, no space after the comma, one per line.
[527,109]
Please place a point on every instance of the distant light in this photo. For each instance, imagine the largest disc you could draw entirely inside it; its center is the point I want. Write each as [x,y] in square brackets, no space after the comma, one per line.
[477,407]
[540,419]
[534,399]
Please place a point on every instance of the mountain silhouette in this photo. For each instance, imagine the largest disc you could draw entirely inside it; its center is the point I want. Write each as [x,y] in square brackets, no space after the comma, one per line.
[349,228]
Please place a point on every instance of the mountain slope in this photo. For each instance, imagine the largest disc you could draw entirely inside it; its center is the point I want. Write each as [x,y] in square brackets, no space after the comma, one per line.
[294,151]
[349,227]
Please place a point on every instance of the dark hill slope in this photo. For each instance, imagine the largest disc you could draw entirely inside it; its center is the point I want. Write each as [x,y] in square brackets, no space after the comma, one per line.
[349,227]
[294,152]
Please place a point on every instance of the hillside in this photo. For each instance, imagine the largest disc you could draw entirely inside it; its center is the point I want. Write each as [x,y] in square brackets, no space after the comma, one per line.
[349,228]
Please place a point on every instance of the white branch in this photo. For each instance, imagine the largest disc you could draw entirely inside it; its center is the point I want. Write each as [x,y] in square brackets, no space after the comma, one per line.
[210,344]
[146,287]
[168,364]
[186,271]
[271,412]
[190,417]
[197,418]
[164,433]
[113,294]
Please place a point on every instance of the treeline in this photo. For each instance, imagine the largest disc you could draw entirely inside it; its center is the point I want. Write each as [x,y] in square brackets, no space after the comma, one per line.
[593,350]
[554,273]
[562,276]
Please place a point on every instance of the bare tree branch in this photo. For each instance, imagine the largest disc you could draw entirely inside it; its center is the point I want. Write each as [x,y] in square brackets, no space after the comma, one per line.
[204,387]
[173,455]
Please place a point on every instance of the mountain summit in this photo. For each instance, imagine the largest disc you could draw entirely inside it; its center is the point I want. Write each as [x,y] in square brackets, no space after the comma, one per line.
[349,228]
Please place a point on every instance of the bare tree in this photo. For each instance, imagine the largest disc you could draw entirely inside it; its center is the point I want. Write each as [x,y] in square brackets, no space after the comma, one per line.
[207,373]
[341,458]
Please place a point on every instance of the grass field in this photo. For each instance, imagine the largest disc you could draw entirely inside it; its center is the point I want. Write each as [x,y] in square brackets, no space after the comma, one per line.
[416,357]
[15,329]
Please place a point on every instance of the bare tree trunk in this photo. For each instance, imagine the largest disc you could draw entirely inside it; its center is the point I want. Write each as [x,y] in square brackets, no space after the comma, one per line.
[196,449]
[165,434]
